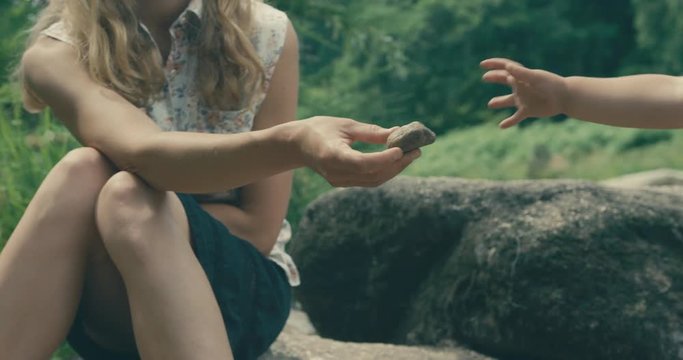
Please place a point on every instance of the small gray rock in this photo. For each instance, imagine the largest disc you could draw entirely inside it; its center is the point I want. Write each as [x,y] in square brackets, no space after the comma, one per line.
[411,137]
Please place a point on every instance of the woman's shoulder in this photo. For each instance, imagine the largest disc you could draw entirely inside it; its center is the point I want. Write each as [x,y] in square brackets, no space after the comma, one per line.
[265,14]
[44,67]
[268,32]
[59,31]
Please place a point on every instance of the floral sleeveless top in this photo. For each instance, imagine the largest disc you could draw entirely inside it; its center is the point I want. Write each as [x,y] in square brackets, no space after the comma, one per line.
[179,107]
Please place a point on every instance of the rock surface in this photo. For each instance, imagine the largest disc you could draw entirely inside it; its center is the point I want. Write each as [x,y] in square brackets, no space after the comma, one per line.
[411,137]
[664,180]
[296,342]
[517,270]
[654,178]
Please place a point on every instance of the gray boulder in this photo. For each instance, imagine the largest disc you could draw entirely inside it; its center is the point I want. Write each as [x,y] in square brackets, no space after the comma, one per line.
[516,270]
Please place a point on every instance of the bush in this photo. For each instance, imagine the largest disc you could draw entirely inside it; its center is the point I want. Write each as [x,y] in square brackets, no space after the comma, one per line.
[645,138]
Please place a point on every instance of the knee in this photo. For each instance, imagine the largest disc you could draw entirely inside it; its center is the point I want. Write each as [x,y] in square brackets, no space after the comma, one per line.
[85,166]
[66,199]
[125,211]
[74,182]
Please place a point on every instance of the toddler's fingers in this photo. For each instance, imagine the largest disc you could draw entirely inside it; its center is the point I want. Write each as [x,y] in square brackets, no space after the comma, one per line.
[497,63]
[513,120]
[496,76]
[523,74]
[501,102]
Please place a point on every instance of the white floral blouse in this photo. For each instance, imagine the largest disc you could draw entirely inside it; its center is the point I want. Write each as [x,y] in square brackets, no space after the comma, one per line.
[179,107]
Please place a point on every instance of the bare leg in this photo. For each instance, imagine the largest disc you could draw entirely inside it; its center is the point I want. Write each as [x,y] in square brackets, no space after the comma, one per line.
[43,262]
[175,314]
[104,309]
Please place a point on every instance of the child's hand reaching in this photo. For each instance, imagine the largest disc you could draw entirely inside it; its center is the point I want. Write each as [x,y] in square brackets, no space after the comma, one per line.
[535,93]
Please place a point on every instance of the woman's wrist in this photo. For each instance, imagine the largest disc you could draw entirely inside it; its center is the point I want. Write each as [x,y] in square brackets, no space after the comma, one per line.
[289,138]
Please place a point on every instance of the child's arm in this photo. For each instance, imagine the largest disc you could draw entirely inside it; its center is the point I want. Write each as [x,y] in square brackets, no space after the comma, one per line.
[641,101]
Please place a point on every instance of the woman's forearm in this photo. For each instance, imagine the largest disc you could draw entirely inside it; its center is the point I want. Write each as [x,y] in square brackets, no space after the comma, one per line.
[201,163]
[191,162]
[641,101]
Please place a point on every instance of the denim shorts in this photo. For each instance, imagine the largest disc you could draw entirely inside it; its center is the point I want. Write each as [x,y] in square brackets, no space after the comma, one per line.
[252,291]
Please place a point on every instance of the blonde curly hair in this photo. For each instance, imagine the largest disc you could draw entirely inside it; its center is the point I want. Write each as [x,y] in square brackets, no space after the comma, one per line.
[119,56]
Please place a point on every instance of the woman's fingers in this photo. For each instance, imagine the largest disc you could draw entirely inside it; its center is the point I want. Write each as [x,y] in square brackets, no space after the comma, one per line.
[365,163]
[389,173]
[362,170]
[501,102]
[329,152]
[400,165]
[383,175]
[368,133]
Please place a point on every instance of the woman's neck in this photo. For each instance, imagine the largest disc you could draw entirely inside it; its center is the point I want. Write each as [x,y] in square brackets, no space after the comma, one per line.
[160,14]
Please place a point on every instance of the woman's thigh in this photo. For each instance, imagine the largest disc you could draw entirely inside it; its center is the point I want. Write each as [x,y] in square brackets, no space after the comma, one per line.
[43,263]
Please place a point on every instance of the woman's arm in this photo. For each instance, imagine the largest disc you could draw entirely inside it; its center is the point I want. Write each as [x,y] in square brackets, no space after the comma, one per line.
[263,204]
[194,162]
[640,101]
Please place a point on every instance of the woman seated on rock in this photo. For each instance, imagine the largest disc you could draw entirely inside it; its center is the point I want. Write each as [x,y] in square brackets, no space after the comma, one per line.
[168,98]
[641,101]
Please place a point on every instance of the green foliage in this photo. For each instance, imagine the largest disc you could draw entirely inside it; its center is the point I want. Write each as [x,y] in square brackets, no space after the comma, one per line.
[659,35]
[65,353]
[643,139]
[13,18]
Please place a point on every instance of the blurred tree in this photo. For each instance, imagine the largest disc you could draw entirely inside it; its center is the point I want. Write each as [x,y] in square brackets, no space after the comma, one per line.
[392,61]
[659,38]
[15,16]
